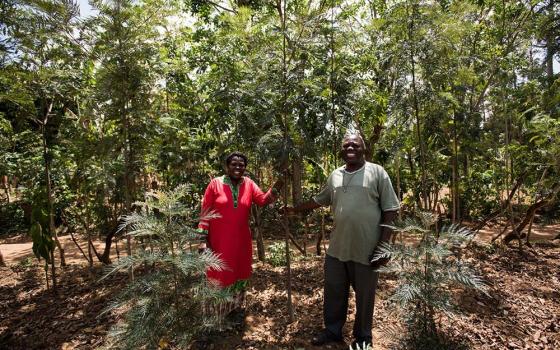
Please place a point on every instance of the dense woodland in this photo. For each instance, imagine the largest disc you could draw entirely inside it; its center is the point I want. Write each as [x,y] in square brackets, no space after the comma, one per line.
[458,100]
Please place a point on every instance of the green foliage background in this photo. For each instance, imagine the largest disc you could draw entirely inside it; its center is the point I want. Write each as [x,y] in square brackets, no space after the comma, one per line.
[457,99]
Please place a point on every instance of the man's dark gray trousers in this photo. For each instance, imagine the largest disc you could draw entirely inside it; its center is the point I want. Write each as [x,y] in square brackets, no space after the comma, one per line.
[339,276]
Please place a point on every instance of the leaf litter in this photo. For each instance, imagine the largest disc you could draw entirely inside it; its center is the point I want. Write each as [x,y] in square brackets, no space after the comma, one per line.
[522,310]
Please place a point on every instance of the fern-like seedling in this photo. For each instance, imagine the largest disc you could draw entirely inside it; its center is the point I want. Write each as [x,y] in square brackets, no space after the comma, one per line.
[427,271]
[169,296]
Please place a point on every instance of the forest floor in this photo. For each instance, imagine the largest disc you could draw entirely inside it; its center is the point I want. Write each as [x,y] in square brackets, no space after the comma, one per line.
[522,310]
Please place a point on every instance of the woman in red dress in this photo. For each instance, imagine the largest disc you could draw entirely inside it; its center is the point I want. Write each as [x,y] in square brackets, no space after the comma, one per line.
[230,196]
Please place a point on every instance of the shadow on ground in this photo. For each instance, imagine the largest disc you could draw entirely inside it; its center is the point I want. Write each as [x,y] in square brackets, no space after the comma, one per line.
[36,318]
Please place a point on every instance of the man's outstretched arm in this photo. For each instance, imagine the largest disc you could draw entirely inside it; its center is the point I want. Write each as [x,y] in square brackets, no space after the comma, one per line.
[305,206]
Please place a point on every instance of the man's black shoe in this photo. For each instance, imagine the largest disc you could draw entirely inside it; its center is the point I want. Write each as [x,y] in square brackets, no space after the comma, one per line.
[324,337]
[361,345]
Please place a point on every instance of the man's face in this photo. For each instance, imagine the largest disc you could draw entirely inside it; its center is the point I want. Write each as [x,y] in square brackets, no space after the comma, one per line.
[353,150]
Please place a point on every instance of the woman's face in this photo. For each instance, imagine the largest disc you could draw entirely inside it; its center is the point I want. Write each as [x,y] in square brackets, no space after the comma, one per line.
[236,168]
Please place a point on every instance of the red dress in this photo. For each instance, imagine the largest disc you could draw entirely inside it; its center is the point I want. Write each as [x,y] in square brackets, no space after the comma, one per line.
[229,236]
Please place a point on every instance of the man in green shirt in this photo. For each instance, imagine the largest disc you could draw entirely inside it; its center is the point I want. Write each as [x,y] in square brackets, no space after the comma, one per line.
[362,198]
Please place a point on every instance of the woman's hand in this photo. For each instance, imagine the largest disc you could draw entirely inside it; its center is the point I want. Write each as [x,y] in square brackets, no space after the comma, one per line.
[203,235]
[202,247]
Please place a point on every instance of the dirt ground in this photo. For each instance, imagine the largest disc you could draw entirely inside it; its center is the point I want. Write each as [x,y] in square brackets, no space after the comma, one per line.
[522,310]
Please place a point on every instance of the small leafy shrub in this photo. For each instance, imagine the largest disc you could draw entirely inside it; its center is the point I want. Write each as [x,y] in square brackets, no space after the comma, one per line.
[170,300]
[277,254]
[26,262]
[426,274]
[12,219]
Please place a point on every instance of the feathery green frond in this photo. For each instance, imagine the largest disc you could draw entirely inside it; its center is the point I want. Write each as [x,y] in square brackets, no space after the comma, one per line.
[383,250]
[427,270]
[456,234]
[167,297]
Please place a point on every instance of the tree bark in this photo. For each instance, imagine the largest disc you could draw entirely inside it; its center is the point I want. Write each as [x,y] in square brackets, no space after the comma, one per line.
[105,257]
[297,169]
[287,237]
[53,273]
[455,175]
[528,238]
[6,185]
[282,6]
[89,242]
[256,212]
[517,230]
[79,247]
[550,44]
[398,171]
[320,235]
[416,106]
[503,207]
[2,262]
[50,197]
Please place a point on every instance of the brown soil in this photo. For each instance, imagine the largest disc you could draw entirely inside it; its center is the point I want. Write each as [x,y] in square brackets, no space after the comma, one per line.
[522,311]
[19,248]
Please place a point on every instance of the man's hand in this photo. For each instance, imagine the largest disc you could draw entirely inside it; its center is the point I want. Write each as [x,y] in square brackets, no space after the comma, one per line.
[377,259]
[303,207]
[376,264]
[386,233]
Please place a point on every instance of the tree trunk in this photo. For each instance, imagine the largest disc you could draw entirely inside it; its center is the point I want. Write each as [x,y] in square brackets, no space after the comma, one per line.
[416,106]
[305,234]
[53,273]
[528,238]
[463,212]
[126,147]
[105,257]
[288,255]
[258,233]
[550,44]
[515,233]
[508,164]
[2,262]
[282,8]
[256,215]
[127,186]
[79,247]
[527,241]
[455,175]
[398,171]
[503,206]
[89,241]
[50,198]
[321,235]
[335,145]
[297,170]
[370,140]
[417,196]
[6,185]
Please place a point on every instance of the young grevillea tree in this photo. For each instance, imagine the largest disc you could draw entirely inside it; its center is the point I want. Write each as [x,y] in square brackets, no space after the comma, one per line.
[167,300]
[426,273]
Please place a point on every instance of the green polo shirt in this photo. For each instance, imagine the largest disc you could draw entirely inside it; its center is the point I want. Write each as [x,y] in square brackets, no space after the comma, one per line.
[357,200]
